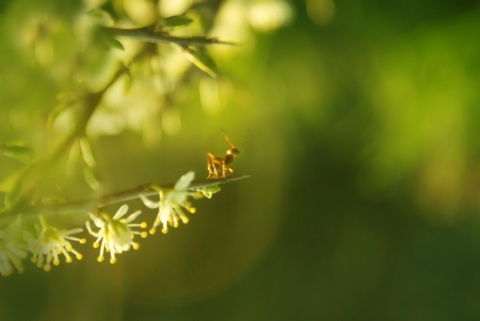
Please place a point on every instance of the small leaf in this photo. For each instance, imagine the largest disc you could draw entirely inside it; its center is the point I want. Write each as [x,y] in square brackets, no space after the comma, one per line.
[52,200]
[54,113]
[175,22]
[114,43]
[9,182]
[201,60]
[73,158]
[209,190]
[101,16]
[108,40]
[87,152]
[16,151]
[91,178]
[64,102]
[12,195]
[128,80]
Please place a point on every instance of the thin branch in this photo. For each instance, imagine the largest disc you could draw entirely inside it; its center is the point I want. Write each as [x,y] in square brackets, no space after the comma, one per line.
[30,175]
[148,34]
[83,206]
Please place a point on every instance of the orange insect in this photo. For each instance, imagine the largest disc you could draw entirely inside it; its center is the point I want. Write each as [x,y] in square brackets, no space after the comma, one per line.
[218,167]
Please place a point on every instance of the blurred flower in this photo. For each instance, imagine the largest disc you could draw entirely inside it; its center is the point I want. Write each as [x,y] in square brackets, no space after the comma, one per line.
[13,249]
[170,205]
[270,15]
[174,7]
[115,234]
[52,242]
[321,12]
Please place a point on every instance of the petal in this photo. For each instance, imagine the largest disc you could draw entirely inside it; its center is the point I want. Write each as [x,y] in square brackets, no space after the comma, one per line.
[96,220]
[132,216]
[121,212]
[148,202]
[184,181]
[73,231]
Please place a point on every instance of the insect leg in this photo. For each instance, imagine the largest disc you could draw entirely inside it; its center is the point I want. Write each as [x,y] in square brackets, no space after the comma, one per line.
[212,162]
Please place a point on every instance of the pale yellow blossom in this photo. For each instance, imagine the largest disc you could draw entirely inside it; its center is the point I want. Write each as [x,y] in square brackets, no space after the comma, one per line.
[115,234]
[13,250]
[51,243]
[171,204]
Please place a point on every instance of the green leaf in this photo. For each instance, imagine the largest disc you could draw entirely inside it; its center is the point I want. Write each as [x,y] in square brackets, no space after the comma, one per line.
[176,22]
[91,178]
[109,40]
[114,43]
[201,60]
[13,193]
[64,102]
[10,181]
[87,152]
[17,151]
[209,190]
[128,81]
[101,16]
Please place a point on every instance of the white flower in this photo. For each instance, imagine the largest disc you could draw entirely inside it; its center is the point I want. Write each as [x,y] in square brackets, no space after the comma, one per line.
[51,243]
[170,204]
[13,249]
[115,234]
[270,15]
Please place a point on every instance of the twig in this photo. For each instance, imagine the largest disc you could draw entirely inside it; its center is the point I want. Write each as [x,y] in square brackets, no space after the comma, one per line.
[83,206]
[148,34]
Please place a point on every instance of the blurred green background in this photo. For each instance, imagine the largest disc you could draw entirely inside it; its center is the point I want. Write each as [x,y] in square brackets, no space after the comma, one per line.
[361,126]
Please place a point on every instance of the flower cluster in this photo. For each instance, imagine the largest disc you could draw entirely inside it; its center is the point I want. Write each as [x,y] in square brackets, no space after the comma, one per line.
[114,235]
[12,249]
[50,243]
[170,204]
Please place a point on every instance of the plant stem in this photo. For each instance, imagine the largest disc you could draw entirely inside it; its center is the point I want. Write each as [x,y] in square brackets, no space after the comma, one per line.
[149,35]
[84,206]
[30,176]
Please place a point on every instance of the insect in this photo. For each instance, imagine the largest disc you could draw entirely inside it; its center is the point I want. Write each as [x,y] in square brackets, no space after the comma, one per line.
[218,167]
